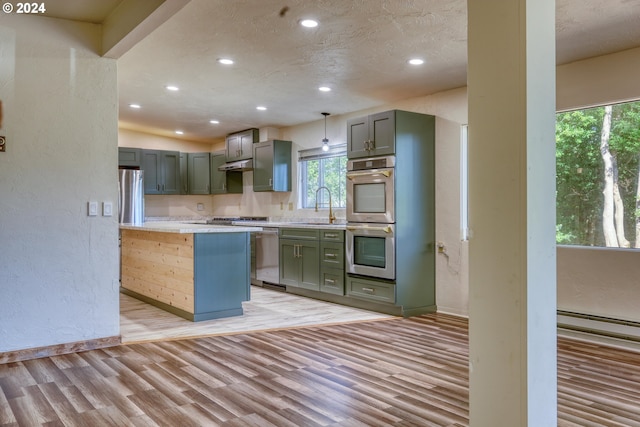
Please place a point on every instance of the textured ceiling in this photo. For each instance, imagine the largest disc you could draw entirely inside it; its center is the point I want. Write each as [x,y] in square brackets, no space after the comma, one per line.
[359,49]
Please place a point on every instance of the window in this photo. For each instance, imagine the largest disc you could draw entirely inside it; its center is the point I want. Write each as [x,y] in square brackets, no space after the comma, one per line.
[597,174]
[323,169]
[464,182]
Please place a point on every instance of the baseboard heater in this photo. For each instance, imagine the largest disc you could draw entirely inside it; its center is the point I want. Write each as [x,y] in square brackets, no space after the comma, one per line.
[599,325]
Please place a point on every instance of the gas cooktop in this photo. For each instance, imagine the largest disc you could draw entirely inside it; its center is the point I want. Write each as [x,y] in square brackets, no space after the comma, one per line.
[229,220]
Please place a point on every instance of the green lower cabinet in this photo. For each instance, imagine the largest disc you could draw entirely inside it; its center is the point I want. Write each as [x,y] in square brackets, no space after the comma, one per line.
[300,264]
[332,281]
[289,264]
[312,259]
[373,290]
[331,263]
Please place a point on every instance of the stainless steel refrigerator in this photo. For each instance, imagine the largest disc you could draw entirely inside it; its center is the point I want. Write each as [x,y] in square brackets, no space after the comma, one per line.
[131,196]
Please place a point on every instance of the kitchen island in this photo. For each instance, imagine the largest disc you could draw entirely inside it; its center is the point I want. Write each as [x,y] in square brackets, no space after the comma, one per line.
[196,271]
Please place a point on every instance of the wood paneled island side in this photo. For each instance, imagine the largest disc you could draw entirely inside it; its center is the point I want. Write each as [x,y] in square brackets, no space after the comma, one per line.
[195,271]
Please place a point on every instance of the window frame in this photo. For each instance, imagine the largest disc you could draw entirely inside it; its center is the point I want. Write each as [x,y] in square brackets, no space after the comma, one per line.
[305,156]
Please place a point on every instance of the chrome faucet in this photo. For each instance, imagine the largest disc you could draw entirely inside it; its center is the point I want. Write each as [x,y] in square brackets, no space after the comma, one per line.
[332,217]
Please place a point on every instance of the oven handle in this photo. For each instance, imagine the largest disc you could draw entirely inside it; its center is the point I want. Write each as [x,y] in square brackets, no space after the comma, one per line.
[352,175]
[386,229]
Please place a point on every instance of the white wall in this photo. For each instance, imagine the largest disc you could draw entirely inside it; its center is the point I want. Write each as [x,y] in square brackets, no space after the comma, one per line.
[599,281]
[59,275]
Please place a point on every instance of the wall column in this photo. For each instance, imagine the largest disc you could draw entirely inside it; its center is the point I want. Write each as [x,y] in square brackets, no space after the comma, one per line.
[512,267]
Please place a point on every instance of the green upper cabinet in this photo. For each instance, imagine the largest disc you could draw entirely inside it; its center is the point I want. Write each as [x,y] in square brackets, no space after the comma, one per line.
[240,144]
[272,166]
[223,182]
[372,135]
[161,171]
[198,167]
[184,176]
[129,157]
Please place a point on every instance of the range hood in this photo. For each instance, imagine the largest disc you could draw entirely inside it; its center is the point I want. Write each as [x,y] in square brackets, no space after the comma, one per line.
[240,165]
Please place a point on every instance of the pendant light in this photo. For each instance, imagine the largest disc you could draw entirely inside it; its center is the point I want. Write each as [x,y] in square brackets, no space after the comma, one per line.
[325,141]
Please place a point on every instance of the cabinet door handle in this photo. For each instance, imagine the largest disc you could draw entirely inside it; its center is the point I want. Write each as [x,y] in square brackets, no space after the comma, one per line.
[158,187]
[270,182]
[369,290]
[295,251]
[224,186]
[372,144]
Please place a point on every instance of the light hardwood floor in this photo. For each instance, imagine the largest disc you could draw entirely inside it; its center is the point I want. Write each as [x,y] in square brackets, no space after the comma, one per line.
[267,309]
[398,372]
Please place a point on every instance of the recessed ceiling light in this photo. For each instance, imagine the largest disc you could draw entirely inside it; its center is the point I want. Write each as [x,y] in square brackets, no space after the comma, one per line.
[172,88]
[179,132]
[225,61]
[261,108]
[214,122]
[136,106]
[324,89]
[416,61]
[309,23]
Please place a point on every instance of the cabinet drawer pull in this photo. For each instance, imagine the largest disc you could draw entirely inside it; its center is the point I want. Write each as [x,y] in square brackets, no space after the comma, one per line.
[370,290]
[332,235]
[330,255]
[331,281]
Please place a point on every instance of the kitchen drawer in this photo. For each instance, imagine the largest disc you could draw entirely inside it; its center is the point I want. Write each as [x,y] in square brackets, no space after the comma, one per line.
[371,289]
[332,235]
[299,233]
[332,281]
[332,255]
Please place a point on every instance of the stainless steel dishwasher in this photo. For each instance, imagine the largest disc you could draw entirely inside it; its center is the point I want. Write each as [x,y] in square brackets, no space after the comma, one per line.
[268,257]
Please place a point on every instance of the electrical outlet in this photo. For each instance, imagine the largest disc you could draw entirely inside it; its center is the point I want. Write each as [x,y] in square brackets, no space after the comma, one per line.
[200,206]
[290,206]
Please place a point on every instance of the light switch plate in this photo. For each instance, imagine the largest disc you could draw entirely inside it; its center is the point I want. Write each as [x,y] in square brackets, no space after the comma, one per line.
[107,209]
[93,209]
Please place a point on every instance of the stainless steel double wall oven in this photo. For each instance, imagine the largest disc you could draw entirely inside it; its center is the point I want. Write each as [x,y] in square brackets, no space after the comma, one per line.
[390,236]
[370,234]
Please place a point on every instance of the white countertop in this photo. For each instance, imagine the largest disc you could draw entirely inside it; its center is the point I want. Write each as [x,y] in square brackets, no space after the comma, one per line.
[187,228]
